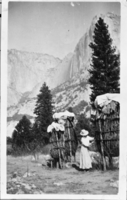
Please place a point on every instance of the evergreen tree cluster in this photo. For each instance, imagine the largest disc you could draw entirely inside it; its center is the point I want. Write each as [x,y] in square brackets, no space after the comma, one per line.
[83,123]
[21,136]
[104,72]
[29,137]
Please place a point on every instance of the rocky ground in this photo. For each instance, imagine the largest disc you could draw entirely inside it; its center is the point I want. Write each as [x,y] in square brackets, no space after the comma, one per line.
[26,176]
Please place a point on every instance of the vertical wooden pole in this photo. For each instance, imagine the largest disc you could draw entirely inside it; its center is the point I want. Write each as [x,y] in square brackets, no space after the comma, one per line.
[74,141]
[102,147]
[58,150]
[51,164]
[63,147]
[57,165]
[69,139]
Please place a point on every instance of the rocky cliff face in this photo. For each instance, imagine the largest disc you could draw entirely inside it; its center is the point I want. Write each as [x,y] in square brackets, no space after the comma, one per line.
[26,70]
[76,91]
[68,78]
[82,53]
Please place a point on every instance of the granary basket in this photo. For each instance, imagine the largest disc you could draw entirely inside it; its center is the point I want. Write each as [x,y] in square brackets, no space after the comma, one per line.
[63,143]
[107,121]
[107,129]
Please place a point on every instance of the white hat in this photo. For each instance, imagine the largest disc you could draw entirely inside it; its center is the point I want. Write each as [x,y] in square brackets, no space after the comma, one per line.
[84,132]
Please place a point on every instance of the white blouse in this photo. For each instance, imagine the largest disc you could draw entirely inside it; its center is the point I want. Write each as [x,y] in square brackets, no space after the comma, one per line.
[86,140]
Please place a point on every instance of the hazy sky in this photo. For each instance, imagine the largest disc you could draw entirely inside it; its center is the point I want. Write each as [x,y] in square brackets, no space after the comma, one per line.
[53,28]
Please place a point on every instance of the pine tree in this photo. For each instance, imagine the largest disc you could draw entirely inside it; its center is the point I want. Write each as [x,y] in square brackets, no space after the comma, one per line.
[104,72]
[21,136]
[44,112]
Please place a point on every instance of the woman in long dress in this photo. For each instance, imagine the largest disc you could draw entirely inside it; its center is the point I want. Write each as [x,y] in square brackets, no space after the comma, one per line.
[85,160]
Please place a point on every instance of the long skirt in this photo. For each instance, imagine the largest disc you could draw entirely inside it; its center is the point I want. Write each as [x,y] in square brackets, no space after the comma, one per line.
[85,160]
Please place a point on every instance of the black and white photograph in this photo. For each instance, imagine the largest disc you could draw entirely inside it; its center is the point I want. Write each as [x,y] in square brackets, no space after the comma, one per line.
[63,99]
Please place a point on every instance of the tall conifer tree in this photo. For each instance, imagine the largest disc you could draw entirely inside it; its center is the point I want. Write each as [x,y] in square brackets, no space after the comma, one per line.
[44,112]
[104,72]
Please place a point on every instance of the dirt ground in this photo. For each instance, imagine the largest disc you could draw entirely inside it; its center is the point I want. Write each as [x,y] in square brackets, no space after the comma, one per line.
[30,177]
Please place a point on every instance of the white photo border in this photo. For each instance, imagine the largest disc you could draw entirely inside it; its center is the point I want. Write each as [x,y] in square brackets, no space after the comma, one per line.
[123,111]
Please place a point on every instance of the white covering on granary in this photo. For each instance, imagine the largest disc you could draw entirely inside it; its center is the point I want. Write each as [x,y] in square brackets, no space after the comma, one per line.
[103,100]
[56,126]
[63,115]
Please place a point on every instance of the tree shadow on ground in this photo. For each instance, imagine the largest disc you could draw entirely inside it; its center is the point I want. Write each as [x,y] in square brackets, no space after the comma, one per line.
[82,170]
[76,167]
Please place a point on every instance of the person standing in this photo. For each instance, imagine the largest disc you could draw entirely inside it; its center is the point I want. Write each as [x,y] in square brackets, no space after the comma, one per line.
[85,160]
